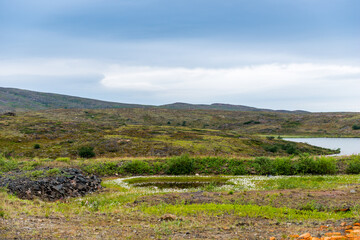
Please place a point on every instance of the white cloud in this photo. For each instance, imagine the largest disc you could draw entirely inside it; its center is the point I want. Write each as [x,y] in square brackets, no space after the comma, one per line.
[202,83]
[309,86]
[50,67]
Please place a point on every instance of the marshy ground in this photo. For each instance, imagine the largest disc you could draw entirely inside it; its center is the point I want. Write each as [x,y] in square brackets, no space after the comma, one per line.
[254,207]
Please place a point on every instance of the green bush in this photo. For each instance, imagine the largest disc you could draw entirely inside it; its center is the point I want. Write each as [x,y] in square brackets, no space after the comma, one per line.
[354,165]
[237,167]
[214,165]
[283,166]
[356,127]
[102,169]
[239,170]
[63,159]
[7,165]
[271,148]
[263,165]
[28,166]
[36,174]
[159,167]
[180,165]
[304,164]
[136,167]
[324,165]
[36,146]
[86,152]
[2,213]
[52,172]
[289,148]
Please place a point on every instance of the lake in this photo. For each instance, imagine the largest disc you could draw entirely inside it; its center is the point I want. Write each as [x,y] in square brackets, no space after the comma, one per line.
[348,146]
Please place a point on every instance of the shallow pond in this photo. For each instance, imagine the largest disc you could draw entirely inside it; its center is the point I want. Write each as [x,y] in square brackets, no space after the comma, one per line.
[179,185]
[232,183]
[348,146]
[177,182]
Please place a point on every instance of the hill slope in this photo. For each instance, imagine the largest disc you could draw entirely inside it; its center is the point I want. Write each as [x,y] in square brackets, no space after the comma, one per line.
[222,106]
[12,99]
[134,132]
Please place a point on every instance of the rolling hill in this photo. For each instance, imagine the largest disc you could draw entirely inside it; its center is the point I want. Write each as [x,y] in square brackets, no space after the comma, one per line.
[12,99]
[222,106]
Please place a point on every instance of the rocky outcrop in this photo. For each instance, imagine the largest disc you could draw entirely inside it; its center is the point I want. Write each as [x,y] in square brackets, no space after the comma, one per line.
[69,183]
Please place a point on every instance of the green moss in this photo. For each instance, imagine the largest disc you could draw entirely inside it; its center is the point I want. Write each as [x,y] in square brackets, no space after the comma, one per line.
[253,211]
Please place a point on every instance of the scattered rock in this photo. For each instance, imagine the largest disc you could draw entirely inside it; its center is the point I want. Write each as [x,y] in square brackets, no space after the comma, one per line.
[346,209]
[305,236]
[11,114]
[168,217]
[69,183]
[351,232]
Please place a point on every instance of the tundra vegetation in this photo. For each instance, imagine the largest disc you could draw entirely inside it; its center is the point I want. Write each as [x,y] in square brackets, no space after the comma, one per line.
[243,180]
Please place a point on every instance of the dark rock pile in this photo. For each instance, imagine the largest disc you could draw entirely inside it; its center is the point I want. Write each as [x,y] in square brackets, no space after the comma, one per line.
[12,114]
[69,183]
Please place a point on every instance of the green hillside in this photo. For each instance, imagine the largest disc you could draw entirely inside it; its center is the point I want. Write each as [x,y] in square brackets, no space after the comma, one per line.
[12,99]
[222,106]
[135,133]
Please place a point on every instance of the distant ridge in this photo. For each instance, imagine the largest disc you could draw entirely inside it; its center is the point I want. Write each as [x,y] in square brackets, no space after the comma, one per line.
[13,99]
[222,106]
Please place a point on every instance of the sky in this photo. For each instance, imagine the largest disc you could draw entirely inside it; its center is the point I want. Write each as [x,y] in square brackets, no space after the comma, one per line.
[278,54]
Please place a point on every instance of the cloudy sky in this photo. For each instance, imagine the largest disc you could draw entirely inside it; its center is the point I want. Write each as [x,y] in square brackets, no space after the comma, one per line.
[280,54]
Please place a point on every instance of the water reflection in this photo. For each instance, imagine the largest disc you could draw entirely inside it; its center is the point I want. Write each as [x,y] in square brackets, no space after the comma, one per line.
[348,146]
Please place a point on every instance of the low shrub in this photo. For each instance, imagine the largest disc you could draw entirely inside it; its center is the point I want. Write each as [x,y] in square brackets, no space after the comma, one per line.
[180,165]
[283,166]
[7,165]
[304,164]
[86,152]
[239,170]
[63,159]
[324,165]
[356,127]
[354,165]
[136,167]
[271,148]
[263,165]
[36,174]
[313,206]
[52,172]
[214,165]
[102,169]
[36,146]
[237,167]
[31,165]
[321,165]
[289,148]
[159,167]
[2,213]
